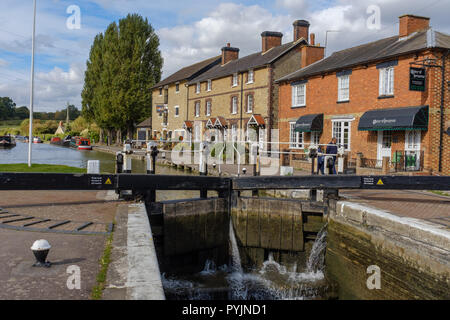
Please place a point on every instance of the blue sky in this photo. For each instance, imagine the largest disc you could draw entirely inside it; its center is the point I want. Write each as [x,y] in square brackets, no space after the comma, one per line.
[189,31]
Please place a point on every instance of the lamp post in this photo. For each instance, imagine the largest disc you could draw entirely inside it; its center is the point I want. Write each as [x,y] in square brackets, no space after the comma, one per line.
[30,140]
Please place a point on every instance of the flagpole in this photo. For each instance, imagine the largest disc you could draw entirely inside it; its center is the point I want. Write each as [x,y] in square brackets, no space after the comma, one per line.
[30,140]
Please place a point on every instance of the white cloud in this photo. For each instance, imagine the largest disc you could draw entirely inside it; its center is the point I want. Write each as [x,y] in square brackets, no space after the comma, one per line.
[3,63]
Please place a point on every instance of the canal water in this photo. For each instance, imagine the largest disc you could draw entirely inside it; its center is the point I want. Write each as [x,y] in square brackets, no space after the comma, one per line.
[56,155]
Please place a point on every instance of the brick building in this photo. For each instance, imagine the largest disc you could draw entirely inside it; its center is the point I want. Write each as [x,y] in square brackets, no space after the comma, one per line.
[169,106]
[241,92]
[383,99]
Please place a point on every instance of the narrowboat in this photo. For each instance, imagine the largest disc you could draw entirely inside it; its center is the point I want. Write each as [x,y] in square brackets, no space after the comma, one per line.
[7,142]
[80,143]
[61,142]
[37,140]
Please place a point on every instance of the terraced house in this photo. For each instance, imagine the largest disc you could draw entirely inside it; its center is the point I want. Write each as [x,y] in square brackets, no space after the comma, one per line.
[384,99]
[240,93]
[170,100]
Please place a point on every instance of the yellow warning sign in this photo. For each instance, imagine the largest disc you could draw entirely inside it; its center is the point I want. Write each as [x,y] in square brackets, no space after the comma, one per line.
[380,183]
[108,181]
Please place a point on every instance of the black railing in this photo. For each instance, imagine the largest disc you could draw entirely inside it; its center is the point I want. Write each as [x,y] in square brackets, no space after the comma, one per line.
[407,161]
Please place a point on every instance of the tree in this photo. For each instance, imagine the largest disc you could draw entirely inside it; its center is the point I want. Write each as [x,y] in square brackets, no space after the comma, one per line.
[22,113]
[124,63]
[7,106]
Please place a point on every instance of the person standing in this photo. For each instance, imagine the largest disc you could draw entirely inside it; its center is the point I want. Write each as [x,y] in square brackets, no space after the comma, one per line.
[332,150]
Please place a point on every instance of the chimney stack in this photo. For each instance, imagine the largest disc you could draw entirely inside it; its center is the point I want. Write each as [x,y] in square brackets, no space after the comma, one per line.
[270,39]
[301,30]
[410,23]
[229,54]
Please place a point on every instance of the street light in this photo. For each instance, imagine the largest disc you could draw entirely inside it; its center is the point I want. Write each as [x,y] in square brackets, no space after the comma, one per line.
[30,135]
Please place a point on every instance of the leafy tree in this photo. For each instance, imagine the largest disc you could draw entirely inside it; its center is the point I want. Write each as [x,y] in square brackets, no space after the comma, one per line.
[124,63]
[7,106]
[22,113]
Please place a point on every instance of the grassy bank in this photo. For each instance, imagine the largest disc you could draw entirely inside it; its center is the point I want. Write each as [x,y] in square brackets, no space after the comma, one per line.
[39,168]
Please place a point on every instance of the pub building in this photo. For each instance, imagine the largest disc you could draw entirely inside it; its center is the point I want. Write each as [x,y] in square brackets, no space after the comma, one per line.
[379,100]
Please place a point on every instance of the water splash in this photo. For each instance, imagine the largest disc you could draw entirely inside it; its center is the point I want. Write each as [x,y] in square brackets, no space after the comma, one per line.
[272,281]
[316,261]
[209,269]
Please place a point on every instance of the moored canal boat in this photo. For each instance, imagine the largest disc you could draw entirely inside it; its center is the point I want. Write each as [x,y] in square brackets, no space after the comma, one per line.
[80,143]
[7,142]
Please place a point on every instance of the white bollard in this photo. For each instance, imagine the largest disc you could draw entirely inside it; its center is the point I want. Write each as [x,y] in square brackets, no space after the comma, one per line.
[93,167]
[127,158]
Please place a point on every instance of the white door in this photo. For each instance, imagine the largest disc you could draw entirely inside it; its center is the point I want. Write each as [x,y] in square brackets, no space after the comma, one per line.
[384,146]
[412,149]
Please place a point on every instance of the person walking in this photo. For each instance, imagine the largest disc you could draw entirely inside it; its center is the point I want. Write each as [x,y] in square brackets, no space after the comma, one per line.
[320,161]
[332,150]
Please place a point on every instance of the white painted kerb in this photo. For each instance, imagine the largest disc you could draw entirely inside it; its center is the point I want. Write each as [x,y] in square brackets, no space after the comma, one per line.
[144,278]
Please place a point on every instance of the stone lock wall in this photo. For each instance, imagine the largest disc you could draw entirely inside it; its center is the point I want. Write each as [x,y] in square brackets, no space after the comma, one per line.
[412,255]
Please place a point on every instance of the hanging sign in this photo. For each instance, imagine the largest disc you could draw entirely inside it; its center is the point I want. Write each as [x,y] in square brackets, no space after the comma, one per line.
[417,79]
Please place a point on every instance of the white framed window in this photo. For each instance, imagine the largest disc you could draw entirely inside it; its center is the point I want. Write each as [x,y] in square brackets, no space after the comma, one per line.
[342,132]
[198,88]
[387,81]
[250,101]
[315,139]
[299,95]
[160,91]
[177,111]
[344,88]
[295,138]
[197,109]
[177,87]
[413,140]
[235,80]
[234,102]
[251,76]
[208,108]
[209,85]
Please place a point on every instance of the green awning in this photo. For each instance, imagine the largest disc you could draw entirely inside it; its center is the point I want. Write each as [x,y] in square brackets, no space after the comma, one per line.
[396,119]
[310,123]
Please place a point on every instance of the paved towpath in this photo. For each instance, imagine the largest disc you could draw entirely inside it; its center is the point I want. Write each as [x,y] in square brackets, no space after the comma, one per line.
[18,279]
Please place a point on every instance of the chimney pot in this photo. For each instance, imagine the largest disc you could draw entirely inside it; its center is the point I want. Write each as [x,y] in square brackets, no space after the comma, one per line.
[313,39]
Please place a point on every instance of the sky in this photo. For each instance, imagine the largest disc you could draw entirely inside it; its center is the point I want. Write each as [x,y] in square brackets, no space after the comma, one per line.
[189,31]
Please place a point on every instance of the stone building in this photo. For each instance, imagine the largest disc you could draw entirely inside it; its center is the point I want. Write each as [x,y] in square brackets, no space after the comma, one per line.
[387,98]
[169,106]
[239,93]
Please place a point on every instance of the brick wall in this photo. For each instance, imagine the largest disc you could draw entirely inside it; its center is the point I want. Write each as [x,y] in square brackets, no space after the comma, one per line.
[322,96]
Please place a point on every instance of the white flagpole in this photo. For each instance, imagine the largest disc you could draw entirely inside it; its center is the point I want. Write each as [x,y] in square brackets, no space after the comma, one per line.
[30,141]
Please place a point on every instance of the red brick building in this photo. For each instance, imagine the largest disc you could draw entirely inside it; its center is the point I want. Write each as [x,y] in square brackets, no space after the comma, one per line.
[387,98]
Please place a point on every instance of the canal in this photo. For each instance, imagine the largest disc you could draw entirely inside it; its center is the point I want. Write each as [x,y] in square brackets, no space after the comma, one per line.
[56,155]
